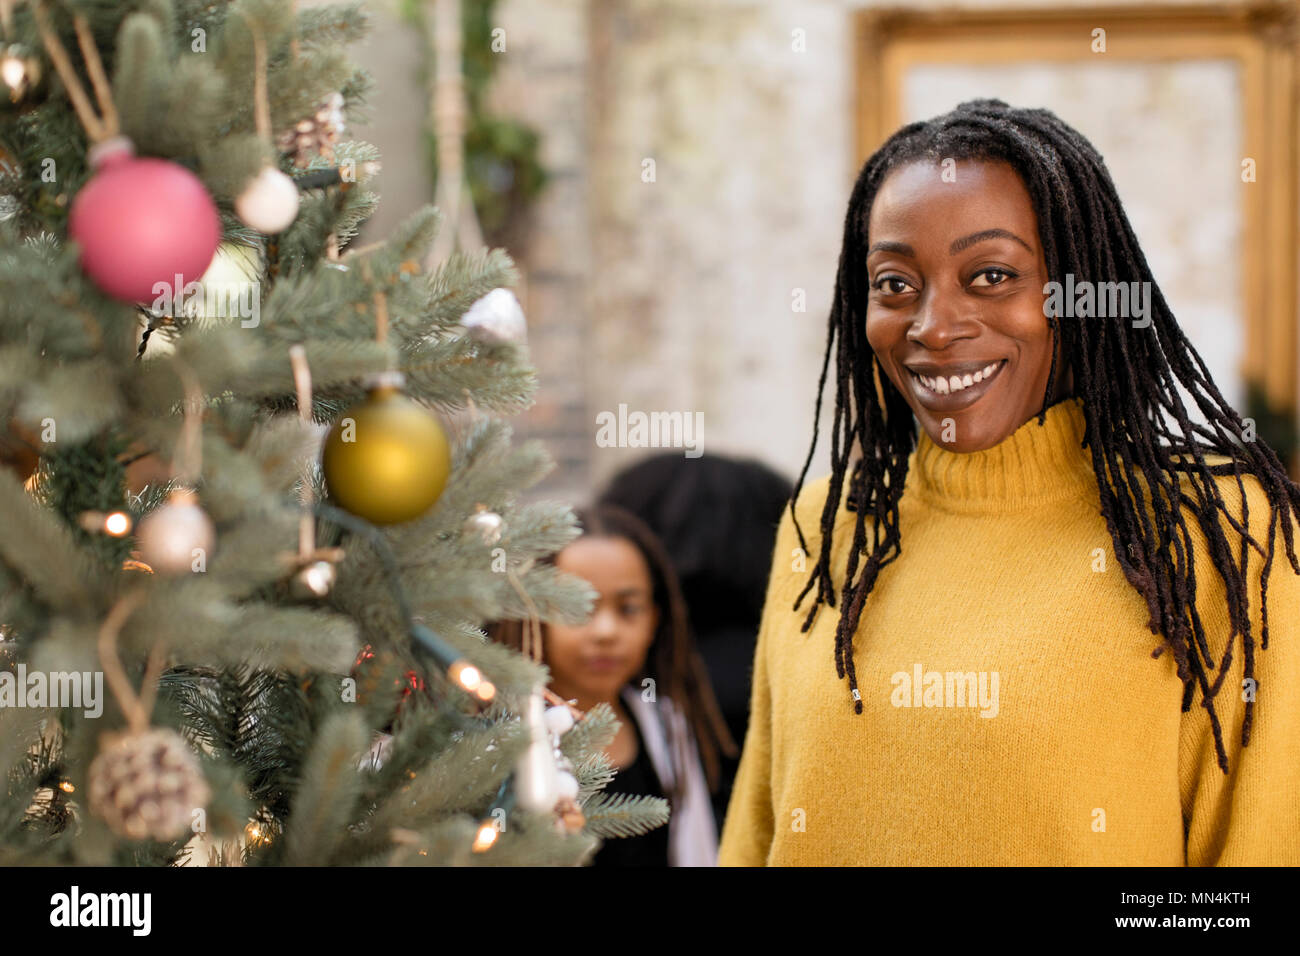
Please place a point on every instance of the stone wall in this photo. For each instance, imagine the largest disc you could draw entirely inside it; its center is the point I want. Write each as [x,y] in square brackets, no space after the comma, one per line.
[681,293]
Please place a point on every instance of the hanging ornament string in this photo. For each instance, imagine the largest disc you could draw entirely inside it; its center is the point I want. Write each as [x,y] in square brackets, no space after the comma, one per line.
[307,550]
[302,383]
[105,124]
[136,707]
[261,99]
[532,639]
[450,113]
[269,201]
[187,459]
[532,642]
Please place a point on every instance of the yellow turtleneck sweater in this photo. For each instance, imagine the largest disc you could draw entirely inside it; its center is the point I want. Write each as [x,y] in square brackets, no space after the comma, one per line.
[1041,731]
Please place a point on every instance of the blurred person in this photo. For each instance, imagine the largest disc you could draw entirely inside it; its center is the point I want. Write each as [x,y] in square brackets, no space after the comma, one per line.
[717,519]
[635,654]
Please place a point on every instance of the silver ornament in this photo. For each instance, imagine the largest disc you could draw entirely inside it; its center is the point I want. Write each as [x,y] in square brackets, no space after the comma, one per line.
[486,524]
[176,537]
[316,580]
[269,203]
[496,318]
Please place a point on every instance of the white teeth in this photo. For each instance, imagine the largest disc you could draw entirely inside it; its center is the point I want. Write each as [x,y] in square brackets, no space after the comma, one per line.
[955,383]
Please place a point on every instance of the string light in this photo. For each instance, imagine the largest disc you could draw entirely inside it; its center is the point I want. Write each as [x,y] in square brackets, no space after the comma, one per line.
[115,523]
[486,837]
[465,674]
[489,831]
[67,787]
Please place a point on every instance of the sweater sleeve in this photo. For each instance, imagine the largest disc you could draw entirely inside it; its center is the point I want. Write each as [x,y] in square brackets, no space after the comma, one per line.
[1251,815]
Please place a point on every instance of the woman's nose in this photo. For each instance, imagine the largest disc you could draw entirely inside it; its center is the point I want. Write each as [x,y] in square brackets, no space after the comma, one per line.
[940,320]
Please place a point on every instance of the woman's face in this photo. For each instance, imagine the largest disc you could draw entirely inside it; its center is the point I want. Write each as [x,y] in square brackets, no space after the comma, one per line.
[592,662]
[955,311]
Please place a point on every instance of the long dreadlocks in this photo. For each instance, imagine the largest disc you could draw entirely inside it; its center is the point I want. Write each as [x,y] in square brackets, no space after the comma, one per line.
[1128,381]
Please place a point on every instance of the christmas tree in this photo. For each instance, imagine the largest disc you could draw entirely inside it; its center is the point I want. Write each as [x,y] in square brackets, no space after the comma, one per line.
[224,635]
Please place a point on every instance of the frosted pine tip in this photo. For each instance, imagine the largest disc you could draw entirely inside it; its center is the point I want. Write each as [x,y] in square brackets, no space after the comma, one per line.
[486,837]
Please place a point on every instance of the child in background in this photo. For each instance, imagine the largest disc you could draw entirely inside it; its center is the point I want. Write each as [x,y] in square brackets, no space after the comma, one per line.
[635,654]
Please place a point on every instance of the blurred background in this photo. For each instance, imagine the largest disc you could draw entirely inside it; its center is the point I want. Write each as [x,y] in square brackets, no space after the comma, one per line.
[671,177]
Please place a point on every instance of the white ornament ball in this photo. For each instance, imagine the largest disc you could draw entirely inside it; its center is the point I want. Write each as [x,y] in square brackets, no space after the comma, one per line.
[567,785]
[173,537]
[496,318]
[269,203]
[559,721]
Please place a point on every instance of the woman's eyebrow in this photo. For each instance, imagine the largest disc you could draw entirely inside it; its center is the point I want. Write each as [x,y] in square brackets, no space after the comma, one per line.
[965,242]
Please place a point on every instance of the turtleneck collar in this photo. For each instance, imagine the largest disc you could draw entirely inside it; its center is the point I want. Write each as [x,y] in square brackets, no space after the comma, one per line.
[1036,464]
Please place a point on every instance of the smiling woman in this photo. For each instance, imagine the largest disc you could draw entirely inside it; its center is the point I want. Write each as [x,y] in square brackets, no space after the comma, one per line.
[1065,522]
[959,299]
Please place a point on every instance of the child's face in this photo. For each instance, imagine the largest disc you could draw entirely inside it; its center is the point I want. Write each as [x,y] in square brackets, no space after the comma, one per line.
[592,661]
[957,274]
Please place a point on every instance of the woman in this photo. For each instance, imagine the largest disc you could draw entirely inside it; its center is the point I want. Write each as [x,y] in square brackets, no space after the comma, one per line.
[994,698]
[635,654]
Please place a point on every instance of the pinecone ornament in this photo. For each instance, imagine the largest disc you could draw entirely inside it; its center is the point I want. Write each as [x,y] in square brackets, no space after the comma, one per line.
[316,135]
[147,785]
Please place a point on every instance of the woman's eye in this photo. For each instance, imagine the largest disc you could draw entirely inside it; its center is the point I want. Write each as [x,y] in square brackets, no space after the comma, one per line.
[631,610]
[992,276]
[891,285]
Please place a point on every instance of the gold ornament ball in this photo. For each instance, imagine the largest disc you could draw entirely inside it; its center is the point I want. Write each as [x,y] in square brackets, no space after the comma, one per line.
[387,459]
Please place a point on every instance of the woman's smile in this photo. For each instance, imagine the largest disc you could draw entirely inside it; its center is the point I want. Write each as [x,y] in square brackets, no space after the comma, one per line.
[954,386]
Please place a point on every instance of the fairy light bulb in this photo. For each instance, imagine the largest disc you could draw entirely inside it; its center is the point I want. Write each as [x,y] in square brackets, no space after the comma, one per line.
[465,674]
[486,837]
[117,523]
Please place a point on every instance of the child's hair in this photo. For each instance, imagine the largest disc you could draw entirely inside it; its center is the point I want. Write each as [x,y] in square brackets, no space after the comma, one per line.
[717,519]
[1129,382]
[672,661]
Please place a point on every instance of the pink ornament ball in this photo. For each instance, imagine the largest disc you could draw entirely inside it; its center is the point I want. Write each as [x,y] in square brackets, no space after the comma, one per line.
[141,221]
